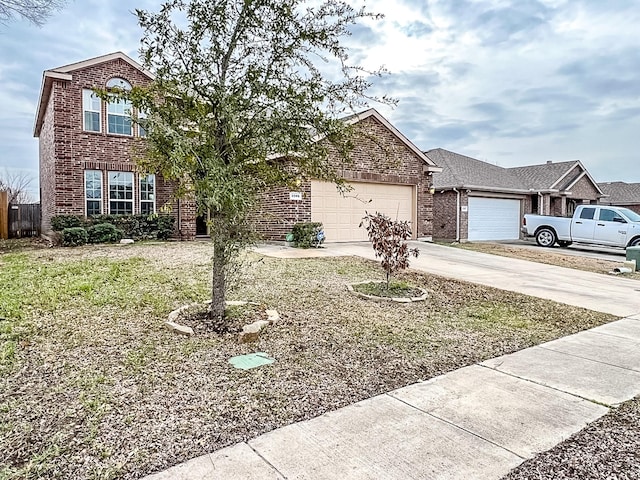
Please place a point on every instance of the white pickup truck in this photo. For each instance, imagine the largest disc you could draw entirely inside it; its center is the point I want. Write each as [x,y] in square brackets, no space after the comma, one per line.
[594,224]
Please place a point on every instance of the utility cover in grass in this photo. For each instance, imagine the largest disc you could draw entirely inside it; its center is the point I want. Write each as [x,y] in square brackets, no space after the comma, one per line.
[252,360]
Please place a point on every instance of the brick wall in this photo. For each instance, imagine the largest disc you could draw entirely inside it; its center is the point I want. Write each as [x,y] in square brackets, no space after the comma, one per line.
[584,189]
[378,157]
[47,168]
[66,150]
[277,213]
[444,215]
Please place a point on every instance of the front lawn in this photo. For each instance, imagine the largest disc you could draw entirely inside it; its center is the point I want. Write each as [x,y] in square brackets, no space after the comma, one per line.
[93,386]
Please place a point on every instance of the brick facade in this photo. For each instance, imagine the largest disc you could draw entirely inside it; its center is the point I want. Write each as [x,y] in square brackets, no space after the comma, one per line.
[67,150]
[379,156]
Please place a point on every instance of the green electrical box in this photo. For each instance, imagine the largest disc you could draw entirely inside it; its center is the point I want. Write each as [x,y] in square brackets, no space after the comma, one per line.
[633,253]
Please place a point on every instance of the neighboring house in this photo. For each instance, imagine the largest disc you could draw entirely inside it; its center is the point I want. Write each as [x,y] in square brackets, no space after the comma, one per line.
[621,194]
[87,146]
[388,173]
[476,200]
[87,164]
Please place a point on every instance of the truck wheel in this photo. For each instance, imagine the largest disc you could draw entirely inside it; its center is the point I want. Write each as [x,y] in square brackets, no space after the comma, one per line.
[635,242]
[546,237]
[564,243]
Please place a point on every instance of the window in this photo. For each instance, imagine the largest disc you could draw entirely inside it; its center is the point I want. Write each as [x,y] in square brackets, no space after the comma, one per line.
[119,117]
[121,193]
[142,123]
[93,191]
[587,213]
[91,107]
[607,215]
[147,194]
[119,83]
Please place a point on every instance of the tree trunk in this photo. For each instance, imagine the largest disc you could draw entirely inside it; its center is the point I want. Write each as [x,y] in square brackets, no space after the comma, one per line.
[217,320]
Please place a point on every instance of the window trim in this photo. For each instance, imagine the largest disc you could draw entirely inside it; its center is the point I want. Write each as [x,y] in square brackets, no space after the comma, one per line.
[85,109]
[154,193]
[133,192]
[87,199]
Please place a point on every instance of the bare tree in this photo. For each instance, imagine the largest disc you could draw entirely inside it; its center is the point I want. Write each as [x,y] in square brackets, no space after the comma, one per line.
[35,11]
[16,183]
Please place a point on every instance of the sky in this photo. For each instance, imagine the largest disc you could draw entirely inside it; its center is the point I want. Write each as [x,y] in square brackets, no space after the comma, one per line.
[509,82]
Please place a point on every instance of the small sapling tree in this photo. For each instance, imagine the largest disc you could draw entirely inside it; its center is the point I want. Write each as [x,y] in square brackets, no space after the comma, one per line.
[389,240]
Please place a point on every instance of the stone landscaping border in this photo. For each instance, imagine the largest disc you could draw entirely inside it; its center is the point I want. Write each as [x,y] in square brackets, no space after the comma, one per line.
[250,332]
[421,298]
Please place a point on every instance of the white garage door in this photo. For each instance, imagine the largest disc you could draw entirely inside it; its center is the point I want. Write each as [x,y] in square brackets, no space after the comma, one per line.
[494,219]
[341,216]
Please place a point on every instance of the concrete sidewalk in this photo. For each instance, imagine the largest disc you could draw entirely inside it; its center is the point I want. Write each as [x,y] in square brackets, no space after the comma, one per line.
[477,422]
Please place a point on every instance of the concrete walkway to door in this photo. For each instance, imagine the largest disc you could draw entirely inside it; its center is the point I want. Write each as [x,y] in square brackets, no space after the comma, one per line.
[477,422]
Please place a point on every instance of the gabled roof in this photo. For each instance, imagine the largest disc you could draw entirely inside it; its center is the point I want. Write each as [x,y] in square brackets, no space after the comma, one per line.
[460,171]
[65,72]
[621,193]
[430,165]
[559,176]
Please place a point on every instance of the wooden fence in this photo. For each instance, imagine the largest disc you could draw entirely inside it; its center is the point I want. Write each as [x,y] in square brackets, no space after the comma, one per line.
[4,215]
[24,220]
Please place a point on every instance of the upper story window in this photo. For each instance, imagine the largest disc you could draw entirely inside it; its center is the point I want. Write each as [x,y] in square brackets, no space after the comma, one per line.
[142,123]
[118,110]
[119,117]
[92,107]
[120,83]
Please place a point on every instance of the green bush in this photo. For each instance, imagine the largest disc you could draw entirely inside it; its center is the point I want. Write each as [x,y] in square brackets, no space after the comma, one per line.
[103,233]
[60,222]
[74,236]
[137,227]
[308,234]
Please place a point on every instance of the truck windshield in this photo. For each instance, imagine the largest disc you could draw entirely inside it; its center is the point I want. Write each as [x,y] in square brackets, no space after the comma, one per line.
[630,214]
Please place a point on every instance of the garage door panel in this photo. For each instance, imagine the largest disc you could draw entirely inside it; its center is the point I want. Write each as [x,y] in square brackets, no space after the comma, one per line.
[493,219]
[341,216]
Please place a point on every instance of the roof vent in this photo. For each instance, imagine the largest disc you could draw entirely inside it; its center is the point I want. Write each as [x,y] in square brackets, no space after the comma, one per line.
[549,162]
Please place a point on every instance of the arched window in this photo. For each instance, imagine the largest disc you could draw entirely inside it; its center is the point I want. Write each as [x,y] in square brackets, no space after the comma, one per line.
[117,82]
[119,110]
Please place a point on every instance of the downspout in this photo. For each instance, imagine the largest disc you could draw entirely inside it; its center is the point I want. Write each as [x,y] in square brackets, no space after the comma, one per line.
[457,214]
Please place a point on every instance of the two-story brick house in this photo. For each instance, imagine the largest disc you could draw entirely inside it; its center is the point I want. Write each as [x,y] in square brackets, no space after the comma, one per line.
[87,164]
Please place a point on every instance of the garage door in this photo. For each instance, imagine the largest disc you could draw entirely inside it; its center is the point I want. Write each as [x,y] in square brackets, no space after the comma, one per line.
[341,216]
[494,219]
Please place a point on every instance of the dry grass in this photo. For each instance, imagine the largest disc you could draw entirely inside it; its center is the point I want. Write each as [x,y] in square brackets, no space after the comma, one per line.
[548,256]
[93,387]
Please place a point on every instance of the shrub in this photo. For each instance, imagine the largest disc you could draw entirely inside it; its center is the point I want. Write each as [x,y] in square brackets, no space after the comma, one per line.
[389,240]
[308,234]
[60,222]
[74,236]
[140,227]
[103,233]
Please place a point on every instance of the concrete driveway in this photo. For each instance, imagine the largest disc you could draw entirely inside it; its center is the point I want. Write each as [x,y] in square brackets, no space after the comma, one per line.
[602,293]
